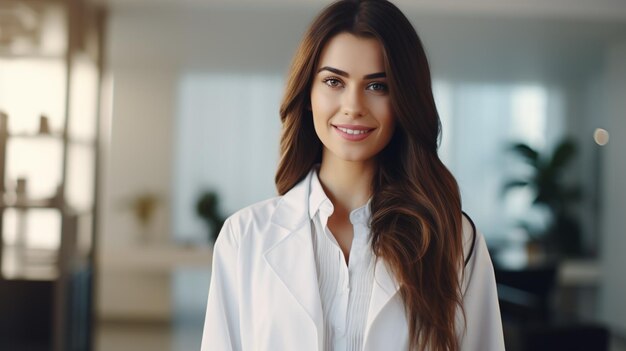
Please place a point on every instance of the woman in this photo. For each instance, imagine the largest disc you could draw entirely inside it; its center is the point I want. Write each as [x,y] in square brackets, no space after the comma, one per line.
[367,247]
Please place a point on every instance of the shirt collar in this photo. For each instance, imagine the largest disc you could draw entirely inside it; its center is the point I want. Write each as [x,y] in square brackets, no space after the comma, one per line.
[318,201]
[362,215]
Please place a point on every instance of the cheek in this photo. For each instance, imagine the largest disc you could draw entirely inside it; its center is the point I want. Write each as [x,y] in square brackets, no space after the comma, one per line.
[389,126]
[382,109]
[390,121]
[323,106]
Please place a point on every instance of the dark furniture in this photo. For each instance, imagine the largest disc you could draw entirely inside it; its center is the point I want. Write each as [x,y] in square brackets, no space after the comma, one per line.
[530,320]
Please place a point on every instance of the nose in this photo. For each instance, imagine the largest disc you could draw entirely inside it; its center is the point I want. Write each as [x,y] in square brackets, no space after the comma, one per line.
[353,104]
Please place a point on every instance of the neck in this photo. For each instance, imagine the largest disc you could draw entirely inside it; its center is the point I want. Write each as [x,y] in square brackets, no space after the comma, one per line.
[348,184]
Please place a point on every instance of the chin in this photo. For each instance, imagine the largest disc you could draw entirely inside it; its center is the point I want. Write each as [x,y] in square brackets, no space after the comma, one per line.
[355,156]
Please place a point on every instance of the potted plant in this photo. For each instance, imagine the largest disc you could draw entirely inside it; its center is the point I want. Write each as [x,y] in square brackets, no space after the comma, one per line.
[562,236]
[143,207]
[207,208]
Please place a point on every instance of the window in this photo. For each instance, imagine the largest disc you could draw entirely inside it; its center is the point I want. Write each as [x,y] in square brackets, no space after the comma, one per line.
[479,121]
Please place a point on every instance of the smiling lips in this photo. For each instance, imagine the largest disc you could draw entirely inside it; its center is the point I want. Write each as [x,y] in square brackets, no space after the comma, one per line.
[353,132]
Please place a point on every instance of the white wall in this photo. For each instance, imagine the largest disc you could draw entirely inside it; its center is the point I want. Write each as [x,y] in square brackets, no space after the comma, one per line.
[141,148]
[139,160]
[150,52]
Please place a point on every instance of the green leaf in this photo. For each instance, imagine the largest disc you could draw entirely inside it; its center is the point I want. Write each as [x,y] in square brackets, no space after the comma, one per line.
[526,152]
[572,194]
[563,153]
[515,183]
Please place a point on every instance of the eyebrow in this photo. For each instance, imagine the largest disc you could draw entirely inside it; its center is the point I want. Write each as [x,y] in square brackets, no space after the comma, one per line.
[345,74]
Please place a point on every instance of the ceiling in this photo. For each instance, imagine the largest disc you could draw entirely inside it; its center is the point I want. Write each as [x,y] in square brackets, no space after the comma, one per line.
[614,10]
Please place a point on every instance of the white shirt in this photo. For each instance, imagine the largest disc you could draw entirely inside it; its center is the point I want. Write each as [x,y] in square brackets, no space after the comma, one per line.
[345,290]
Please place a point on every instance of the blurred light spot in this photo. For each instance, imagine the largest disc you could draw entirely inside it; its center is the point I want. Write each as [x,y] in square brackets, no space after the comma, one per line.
[601,136]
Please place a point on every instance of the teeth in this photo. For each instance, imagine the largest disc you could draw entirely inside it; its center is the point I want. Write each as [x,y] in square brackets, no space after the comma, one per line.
[352,131]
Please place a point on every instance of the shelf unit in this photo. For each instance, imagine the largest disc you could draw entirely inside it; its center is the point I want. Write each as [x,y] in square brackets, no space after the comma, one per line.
[46,294]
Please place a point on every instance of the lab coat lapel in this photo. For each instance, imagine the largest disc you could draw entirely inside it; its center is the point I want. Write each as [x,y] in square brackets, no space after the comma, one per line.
[384,289]
[292,258]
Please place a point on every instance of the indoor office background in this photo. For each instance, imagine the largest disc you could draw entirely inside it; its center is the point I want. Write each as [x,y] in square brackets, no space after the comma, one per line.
[122,118]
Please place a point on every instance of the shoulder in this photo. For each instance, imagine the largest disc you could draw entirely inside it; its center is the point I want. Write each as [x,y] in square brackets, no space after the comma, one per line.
[477,261]
[256,215]
[237,239]
[471,237]
[255,212]
[264,223]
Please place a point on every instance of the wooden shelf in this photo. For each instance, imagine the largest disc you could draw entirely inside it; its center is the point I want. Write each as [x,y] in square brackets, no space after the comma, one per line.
[136,281]
[6,54]
[579,272]
[29,264]
[153,258]
[65,314]
[53,135]
[31,204]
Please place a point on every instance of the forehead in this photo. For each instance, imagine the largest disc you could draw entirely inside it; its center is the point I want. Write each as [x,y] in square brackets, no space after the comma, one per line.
[352,54]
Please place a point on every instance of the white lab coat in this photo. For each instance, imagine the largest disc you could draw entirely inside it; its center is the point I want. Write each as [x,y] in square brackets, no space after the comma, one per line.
[264,294]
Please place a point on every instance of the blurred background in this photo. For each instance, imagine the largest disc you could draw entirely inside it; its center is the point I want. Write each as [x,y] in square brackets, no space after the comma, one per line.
[129,129]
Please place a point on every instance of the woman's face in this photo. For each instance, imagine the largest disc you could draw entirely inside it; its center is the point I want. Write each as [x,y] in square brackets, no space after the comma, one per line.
[350,101]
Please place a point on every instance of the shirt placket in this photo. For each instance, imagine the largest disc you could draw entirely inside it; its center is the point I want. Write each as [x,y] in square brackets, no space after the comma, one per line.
[339,313]
[340,306]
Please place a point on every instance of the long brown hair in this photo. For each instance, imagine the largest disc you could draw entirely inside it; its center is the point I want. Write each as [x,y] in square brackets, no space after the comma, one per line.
[416,205]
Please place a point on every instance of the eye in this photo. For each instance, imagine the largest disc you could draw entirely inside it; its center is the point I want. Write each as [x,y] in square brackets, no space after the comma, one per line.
[332,82]
[381,87]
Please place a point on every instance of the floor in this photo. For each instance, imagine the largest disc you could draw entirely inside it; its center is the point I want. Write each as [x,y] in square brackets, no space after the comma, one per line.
[181,337]
[148,336]
[617,344]
[184,332]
